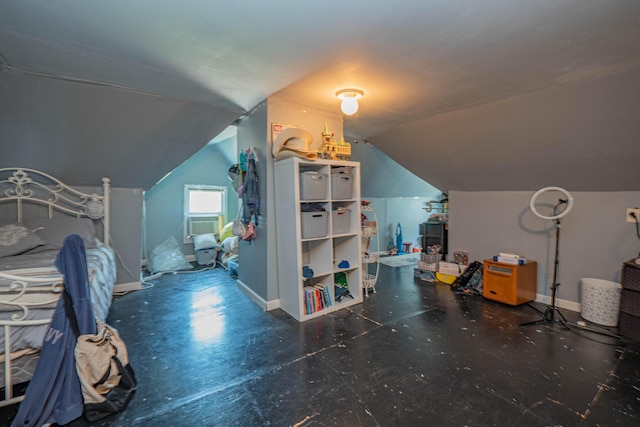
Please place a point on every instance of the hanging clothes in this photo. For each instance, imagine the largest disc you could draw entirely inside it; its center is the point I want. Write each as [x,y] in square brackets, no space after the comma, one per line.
[54,394]
[251,189]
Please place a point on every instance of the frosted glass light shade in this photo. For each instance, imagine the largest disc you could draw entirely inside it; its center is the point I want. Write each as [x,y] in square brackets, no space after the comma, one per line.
[349,97]
[349,105]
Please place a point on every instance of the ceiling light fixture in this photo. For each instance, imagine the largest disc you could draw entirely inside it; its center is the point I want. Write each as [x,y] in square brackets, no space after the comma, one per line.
[349,97]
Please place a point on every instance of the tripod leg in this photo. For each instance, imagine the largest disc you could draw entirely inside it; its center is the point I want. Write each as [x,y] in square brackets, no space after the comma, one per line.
[562,319]
[550,312]
[534,322]
[546,316]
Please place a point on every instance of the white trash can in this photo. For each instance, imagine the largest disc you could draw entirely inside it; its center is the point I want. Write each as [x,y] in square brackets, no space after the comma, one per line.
[600,301]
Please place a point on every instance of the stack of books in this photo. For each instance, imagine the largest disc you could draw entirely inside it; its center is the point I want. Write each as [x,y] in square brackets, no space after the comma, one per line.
[508,258]
[316,298]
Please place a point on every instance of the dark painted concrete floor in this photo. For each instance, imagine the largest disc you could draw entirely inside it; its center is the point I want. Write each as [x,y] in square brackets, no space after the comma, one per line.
[413,354]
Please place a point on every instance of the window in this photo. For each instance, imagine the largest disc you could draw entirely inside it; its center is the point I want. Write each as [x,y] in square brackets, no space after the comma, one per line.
[204,210]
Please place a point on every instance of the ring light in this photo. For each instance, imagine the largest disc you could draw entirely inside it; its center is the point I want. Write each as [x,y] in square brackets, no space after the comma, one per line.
[534,198]
[550,312]
[549,315]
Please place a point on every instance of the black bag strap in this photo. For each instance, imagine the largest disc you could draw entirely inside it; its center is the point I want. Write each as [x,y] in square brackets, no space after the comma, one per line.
[127,379]
[105,377]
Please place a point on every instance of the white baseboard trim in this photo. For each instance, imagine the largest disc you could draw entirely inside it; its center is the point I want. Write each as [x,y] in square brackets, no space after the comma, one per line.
[266,305]
[126,287]
[560,303]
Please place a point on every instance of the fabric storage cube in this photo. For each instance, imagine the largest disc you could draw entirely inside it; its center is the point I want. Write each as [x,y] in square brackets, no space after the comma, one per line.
[600,301]
[631,276]
[340,220]
[630,326]
[314,224]
[630,314]
[341,183]
[313,185]
[630,302]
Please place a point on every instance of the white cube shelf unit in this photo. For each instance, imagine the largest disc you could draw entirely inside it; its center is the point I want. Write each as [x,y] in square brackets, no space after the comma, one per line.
[336,250]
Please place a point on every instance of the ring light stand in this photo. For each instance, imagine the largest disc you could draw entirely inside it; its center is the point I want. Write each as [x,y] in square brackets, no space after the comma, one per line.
[549,314]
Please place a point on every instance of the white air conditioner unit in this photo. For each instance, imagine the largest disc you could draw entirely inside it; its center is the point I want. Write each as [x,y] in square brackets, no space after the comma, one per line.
[203,225]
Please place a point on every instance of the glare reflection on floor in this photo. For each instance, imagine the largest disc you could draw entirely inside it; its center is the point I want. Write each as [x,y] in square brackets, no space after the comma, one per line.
[207,320]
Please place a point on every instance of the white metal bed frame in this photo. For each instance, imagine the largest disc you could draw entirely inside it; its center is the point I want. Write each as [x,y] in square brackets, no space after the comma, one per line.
[29,186]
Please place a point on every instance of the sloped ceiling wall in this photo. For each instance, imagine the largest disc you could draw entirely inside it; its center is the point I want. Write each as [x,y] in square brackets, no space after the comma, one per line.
[583,136]
[491,95]
[80,132]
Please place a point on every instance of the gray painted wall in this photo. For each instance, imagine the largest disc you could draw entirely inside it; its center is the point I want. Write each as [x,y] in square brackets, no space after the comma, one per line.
[561,135]
[126,232]
[594,238]
[82,132]
[381,176]
[396,194]
[164,202]
[257,268]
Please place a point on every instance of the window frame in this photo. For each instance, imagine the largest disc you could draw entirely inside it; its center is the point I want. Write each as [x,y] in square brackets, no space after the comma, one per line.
[187,215]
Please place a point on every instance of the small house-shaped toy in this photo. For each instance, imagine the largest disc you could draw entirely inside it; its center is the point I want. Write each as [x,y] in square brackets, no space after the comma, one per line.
[334,150]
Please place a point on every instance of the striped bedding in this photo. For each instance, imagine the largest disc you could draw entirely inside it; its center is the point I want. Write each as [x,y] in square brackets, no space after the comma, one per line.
[27,340]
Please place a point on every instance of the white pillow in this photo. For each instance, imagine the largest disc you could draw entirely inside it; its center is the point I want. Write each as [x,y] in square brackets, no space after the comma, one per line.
[230,245]
[16,238]
[204,241]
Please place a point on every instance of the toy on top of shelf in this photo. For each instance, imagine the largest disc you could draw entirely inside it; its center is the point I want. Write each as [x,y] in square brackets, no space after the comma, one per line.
[326,135]
[333,150]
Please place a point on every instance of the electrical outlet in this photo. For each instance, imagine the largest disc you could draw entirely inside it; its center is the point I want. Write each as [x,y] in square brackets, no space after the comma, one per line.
[630,217]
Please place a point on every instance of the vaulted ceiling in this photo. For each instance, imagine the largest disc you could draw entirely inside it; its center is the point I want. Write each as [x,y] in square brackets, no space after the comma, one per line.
[468,95]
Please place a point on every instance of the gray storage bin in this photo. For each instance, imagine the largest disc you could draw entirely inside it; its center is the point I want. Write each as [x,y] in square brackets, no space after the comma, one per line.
[206,256]
[340,220]
[314,224]
[341,186]
[313,186]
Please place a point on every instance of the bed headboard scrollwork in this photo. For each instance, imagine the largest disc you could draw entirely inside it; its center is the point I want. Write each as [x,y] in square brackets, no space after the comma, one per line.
[23,185]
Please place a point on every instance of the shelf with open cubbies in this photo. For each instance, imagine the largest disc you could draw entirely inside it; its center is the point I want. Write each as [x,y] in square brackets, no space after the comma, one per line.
[318,241]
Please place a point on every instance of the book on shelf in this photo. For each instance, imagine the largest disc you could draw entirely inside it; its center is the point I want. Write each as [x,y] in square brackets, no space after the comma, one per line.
[325,296]
[316,297]
[308,300]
